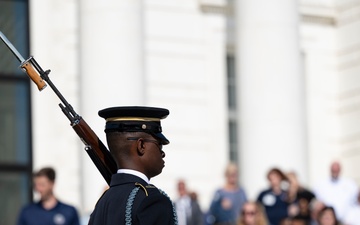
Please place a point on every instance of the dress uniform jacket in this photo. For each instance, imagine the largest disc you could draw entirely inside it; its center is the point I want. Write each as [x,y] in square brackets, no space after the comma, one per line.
[130,200]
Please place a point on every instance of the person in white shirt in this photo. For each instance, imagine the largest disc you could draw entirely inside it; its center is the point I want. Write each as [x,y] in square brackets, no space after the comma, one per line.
[187,208]
[337,192]
[352,217]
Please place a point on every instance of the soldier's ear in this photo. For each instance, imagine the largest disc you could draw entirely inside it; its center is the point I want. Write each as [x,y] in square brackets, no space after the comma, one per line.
[140,147]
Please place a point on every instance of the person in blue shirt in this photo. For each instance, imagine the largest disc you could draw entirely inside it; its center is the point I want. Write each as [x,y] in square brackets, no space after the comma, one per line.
[227,201]
[275,199]
[49,210]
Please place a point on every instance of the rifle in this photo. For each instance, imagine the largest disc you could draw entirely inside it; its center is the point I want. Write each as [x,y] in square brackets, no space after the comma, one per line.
[97,151]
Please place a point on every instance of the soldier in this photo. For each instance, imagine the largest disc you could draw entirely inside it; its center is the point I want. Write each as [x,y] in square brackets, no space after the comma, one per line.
[135,141]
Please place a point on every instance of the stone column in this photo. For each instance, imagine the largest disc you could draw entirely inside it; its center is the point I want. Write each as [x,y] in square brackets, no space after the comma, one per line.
[270,91]
[111,56]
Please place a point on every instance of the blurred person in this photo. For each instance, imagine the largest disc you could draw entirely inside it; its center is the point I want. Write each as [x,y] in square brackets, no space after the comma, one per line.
[299,197]
[49,210]
[352,217]
[303,204]
[315,207]
[275,199]
[187,207]
[297,220]
[327,216]
[338,192]
[296,189]
[228,200]
[252,213]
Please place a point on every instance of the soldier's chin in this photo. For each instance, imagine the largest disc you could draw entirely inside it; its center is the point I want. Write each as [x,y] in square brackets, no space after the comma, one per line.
[157,173]
[162,169]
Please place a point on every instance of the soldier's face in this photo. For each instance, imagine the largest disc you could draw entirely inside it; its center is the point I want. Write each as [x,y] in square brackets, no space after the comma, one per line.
[153,158]
[43,186]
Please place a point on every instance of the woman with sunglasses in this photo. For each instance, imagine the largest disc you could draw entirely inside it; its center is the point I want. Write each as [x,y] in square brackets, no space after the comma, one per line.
[252,213]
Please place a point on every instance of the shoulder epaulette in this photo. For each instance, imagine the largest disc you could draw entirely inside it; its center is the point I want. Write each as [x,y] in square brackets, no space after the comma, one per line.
[142,186]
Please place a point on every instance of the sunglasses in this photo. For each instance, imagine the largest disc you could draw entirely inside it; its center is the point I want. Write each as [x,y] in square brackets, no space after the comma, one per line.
[248,213]
[157,143]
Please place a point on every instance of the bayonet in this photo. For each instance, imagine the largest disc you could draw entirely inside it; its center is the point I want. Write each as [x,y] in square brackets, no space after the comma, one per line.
[11,47]
[30,66]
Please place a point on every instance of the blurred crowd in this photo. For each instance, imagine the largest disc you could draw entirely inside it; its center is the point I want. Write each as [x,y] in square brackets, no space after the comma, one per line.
[333,201]
[285,201]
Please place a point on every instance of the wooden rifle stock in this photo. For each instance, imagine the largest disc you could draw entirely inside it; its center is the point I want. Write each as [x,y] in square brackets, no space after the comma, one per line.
[96,150]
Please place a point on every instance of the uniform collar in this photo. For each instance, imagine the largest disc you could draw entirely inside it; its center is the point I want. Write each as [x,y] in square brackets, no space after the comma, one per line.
[135,173]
